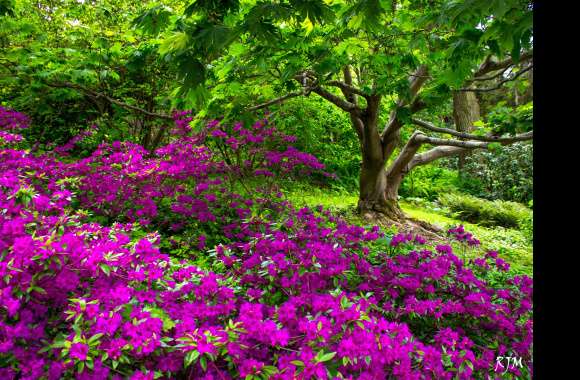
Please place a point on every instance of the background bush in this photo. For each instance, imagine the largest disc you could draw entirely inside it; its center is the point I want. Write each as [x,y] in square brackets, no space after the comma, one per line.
[431,180]
[485,212]
[326,132]
[503,174]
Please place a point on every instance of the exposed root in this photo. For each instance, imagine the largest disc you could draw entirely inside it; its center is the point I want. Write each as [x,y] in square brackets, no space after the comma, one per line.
[425,229]
[406,224]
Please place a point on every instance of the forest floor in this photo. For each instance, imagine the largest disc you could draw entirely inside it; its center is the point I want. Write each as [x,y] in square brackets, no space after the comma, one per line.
[511,244]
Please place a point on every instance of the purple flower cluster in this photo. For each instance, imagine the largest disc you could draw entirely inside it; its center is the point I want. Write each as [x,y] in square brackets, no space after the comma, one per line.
[259,150]
[11,122]
[459,234]
[64,150]
[402,238]
[182,120]
[289,293]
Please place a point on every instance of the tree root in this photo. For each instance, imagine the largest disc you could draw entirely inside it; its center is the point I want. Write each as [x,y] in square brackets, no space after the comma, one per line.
[405,224]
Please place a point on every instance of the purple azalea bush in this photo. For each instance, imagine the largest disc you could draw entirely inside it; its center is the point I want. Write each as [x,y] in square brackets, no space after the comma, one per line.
[101,274]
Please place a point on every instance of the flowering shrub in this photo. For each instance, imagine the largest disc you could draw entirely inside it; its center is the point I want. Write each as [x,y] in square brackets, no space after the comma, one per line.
[260,150]
[283,293]
[64,150]
[11,122]
[459,234]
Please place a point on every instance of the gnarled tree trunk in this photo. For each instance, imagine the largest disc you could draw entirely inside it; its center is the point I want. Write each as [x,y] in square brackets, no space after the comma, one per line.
[379,188]
[377,195]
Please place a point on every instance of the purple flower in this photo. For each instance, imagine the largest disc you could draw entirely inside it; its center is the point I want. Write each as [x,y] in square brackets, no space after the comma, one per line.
[219,133]
[79,351]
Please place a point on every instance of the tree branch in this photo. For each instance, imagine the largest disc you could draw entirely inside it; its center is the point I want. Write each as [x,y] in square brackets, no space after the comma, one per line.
[275,101]
[490,77]
[501,83]
[340,103]
[346,88]
[463,135]
[400,166]
[391,135]
[415,83]
[473,144]
[448,148]
[97,95]
[346,72]
[434,154]
[489,65]
[310,84]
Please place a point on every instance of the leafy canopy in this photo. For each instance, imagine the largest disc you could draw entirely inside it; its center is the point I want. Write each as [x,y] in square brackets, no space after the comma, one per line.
[222,44]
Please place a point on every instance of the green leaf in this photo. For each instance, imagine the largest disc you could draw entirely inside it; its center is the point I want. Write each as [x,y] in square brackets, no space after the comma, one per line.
[178,41]
[494,146]
[156,312]
[105,268]
[7,7]
[315,11]
[320,358]
[191,70]
[153,20]
[190,358]
[94,339]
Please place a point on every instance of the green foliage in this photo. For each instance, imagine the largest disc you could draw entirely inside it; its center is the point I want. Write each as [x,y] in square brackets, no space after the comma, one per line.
[505,119]
[484,212]
[6,7]
[266,43]
[429,182]
[527,226]
[61,64]
[326,132]
[505,174]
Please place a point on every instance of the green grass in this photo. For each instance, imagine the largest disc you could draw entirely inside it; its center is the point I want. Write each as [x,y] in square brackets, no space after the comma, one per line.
[330,199]
[512,244]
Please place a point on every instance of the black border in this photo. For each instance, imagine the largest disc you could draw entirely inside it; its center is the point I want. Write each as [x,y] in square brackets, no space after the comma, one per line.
[555,189]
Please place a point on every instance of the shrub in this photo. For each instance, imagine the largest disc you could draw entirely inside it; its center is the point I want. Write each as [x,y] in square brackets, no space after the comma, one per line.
[292,293]
[428,182]
[326,132]
[505,174]
[485,212]
[527,226]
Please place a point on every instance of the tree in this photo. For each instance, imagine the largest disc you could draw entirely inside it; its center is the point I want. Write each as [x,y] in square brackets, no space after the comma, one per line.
[366,57]
[68,63]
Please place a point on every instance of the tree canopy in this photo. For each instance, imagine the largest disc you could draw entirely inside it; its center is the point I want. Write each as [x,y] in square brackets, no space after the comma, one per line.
[400,70]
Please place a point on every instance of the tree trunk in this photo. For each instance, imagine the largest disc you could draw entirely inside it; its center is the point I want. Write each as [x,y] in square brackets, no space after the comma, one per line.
[465,113]
[376,197]
[158,137]
[529,93]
